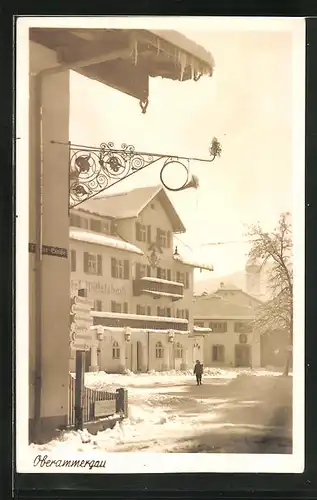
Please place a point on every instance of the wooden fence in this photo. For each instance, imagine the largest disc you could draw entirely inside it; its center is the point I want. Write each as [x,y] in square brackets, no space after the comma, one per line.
[90,397]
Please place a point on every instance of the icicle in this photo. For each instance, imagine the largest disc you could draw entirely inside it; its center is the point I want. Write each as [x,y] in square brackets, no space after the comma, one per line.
[182,63]
[192,66]
[135,50]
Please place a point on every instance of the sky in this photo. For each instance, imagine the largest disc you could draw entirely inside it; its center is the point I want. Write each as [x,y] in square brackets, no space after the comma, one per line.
[246,104]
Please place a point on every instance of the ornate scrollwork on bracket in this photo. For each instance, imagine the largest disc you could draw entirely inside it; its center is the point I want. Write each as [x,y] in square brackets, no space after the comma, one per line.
[92,170]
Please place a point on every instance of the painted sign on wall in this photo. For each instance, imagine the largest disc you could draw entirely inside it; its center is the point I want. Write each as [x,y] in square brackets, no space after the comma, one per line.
[98,287]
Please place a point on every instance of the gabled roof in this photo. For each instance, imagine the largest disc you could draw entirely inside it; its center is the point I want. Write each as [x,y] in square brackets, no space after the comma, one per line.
[233,288]
[103,240]
[228,287]
[215,307]
[130,204]
[193,263]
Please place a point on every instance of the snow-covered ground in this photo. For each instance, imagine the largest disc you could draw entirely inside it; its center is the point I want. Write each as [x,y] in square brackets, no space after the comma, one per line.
[105,381]
[233,411]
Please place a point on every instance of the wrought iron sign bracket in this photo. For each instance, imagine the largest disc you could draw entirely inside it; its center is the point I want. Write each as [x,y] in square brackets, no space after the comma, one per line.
[95,169]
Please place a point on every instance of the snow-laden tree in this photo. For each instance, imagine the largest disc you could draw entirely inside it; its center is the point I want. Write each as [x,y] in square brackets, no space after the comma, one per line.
[274,251]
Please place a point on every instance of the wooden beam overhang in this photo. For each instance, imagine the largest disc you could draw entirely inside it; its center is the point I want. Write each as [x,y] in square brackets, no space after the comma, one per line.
[125,59]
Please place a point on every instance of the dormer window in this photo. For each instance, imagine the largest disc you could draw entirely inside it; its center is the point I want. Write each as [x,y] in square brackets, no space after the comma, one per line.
[95,225]
[77,221]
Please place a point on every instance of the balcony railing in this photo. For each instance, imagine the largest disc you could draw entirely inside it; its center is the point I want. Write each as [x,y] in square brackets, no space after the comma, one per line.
[141,322]
[158,287]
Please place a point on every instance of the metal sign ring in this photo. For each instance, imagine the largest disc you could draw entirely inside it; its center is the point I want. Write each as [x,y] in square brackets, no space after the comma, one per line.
[168,162]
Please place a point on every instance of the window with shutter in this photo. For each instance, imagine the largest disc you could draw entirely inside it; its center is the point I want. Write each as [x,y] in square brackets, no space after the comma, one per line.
[218,327]
[138,232]
[186,284]
[83,223]
[86,260]
[169,274]
[187,314]
[113,267]
[113,306]
[73,260]
[149,310]
[95,225]
[177,313]
[125,307]
[178,278]
[98,305]
[148,271]
[158,272]
[148,234]
[158,311]
[158,236]
[138,309]
[99,264]
[75,220]
[169,239]
[138,271]
[126,270]
[214,353]
[222,353]
[168,312]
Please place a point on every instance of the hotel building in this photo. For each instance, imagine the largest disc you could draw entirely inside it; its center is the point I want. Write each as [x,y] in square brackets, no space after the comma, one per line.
[122,253]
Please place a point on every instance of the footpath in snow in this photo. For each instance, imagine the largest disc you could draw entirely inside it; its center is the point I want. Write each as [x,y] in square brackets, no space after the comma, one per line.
[234,411]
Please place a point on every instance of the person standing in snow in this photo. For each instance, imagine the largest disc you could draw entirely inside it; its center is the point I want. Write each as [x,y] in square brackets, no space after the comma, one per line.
[198,371]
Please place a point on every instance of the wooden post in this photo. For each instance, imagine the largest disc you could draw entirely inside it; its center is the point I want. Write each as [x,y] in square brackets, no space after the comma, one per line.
[80,379]
[122,401]
[79,389]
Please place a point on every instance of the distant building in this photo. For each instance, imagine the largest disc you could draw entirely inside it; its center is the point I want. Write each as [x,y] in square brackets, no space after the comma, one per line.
[253,277]
[253,280]
[231,340]
[237,295]
[122,253]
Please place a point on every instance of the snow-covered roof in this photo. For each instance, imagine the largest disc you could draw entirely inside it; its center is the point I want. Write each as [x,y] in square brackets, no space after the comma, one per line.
[130,204]
[193,263]
[160,280]
[228,287]
[150,330]
[164,294]
[214,307]
[201,329]
[106,314]
[103,240]
[232,288]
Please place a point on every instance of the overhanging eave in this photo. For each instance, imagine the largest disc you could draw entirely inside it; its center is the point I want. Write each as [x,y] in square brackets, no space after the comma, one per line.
[125,59]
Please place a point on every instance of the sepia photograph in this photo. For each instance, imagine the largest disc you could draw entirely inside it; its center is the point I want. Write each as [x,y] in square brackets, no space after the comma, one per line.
[160,244]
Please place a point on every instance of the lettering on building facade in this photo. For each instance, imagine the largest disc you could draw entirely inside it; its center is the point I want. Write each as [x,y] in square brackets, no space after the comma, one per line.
[97,286]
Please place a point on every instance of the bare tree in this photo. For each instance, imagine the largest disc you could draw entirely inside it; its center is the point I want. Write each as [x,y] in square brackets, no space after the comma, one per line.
[275,250]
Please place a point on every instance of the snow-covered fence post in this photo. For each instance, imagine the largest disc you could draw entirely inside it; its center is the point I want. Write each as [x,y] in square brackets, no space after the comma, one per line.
[122,401]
